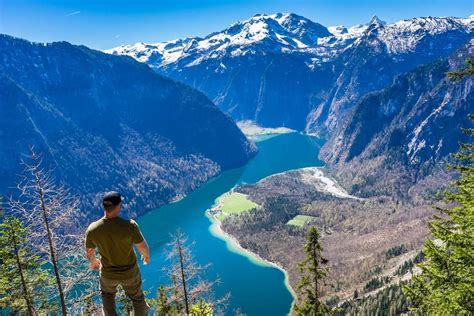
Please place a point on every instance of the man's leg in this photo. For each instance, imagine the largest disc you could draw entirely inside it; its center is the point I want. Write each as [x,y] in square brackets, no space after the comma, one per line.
[108,289]
[133,289]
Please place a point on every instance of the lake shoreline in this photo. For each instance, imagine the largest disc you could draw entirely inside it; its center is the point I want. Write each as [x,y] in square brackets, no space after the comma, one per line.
[257,288]
[234,245]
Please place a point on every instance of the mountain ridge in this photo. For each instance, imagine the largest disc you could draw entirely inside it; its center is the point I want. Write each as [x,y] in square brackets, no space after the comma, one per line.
[269,70]
[258,25]
[108,122]
[415,124]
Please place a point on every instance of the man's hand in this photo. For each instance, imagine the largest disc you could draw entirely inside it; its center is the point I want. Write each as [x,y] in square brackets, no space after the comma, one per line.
[144,251]
[95,264]
[146,260]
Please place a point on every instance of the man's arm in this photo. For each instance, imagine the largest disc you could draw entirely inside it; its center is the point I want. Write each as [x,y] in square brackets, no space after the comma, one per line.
[94,262]
[90,252]
[140,242]
[142,248]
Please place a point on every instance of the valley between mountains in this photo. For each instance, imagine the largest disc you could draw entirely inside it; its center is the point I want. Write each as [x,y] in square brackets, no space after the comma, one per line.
[378,93]
[358,123]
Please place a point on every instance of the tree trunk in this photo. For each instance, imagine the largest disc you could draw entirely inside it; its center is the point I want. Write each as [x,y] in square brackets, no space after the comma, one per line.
[185,290]
[52,251]
[316,277]
[29,304]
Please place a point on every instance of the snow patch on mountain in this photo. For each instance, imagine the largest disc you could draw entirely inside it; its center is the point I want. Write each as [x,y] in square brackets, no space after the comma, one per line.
[404,36]
[289,33]
[159,53]
[417,143]
[338,30]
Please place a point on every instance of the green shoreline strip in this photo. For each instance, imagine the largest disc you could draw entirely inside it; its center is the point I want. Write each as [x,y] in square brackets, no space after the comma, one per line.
[233,246]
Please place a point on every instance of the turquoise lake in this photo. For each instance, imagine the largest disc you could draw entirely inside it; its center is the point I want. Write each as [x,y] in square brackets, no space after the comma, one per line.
[255,289]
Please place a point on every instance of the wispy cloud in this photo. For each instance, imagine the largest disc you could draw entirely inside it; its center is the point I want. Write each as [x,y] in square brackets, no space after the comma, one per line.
[118,35]
[73,13]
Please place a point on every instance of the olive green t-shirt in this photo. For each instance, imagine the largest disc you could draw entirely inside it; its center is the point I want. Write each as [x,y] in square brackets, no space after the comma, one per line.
[114,238]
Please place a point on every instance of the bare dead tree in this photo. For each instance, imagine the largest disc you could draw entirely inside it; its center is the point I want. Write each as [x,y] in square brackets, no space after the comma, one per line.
[180,253]
[188,288]
[80,283]
[50,212]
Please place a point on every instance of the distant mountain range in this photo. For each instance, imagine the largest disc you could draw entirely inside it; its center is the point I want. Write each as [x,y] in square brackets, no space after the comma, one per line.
[376,91]
[286,70]
[106,122]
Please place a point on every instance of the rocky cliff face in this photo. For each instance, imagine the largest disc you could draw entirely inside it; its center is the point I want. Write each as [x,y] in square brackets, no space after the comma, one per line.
[382,52]
[108,122]
[394,137]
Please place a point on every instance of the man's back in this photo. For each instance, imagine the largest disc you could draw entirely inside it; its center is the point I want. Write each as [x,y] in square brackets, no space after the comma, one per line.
[114,238]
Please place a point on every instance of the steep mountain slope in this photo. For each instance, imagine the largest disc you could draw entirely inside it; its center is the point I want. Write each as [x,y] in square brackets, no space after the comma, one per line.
[390,150]
[395,137]
[285,70]
[257,69]
[107,122]
[382,52]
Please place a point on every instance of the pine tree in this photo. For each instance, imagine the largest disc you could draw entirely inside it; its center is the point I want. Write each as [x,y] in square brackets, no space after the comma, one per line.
[124,304]
[163,304]
[91,307]
[201,308]
[312,276]
[446,283]
[22,278]
[356,294]
[182,258]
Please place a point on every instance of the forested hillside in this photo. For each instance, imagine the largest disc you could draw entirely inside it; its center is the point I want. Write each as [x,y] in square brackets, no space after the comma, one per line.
[368,243]
[107,122]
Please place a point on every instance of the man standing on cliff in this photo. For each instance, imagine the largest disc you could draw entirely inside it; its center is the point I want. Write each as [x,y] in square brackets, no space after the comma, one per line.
[114,237]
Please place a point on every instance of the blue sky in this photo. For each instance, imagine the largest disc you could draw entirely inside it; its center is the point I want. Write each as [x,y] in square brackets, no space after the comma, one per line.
[104,24]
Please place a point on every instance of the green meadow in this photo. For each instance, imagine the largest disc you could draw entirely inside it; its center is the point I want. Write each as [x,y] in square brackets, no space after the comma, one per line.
[301,220]
[234,203]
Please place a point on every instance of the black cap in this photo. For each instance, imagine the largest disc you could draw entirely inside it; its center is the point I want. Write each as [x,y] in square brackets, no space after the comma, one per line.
[112,197]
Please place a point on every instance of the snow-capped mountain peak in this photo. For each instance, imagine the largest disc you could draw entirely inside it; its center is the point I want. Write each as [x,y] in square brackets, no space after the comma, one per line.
[283,32]
[376,21]
[290,33]
[404,36]
[286,29]
[338,30]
